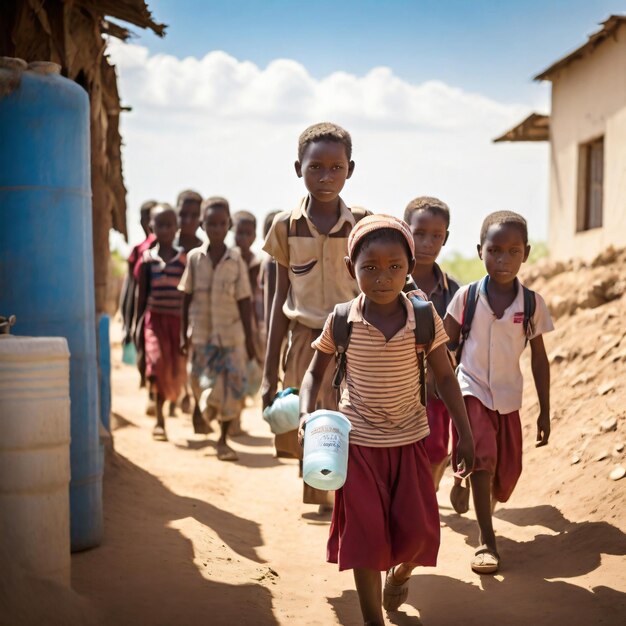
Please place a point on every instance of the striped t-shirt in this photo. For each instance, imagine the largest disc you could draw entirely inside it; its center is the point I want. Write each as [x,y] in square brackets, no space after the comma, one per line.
[381,395]
[163,281]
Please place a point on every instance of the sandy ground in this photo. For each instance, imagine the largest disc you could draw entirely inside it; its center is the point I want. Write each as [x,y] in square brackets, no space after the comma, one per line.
[192,540]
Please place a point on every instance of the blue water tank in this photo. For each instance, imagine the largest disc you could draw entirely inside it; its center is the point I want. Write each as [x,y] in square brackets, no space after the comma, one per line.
[46,255]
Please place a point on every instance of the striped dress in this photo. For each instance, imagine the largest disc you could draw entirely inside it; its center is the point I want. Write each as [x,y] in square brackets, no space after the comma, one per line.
[165,366]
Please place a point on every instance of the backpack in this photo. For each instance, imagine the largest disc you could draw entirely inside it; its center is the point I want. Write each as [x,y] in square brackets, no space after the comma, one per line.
[424,335]
[471,298]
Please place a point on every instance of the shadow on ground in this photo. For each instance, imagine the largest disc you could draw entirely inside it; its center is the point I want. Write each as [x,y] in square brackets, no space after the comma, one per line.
[145,569]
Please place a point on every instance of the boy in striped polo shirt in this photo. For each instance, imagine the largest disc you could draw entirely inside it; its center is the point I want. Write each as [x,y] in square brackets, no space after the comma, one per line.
[385,516]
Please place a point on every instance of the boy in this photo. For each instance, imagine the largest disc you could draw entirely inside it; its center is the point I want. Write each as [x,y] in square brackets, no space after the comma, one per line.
[188,208]
[217,308]
[309,245]
[489,372]
[429,220]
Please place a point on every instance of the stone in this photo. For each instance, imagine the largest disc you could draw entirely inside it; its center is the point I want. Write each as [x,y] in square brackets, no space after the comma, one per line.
[617,473]
[609,424]
[619,447]
[575,460]
[601,456]
[606,388]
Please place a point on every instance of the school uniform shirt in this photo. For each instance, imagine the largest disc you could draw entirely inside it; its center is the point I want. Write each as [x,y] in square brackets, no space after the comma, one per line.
[489,369]
[213,313]
[163,279]
[443,292]
[381,397]
[318,275]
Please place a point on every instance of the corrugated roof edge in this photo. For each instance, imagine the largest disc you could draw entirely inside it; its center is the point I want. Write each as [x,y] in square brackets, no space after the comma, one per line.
[609,26]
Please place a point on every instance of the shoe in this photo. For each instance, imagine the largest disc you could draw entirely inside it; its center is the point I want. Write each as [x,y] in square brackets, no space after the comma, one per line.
[394,594]
[485,561]
[159,434]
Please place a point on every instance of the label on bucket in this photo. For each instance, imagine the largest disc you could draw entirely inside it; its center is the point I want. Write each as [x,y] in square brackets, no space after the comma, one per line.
[327,437]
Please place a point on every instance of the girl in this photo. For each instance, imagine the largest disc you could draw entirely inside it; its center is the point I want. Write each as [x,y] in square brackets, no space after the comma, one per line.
[385,516]
[160,302]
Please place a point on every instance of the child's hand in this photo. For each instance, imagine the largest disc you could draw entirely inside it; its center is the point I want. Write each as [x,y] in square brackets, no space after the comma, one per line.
[301,428]
[543,430]
[465,457]
[184,346]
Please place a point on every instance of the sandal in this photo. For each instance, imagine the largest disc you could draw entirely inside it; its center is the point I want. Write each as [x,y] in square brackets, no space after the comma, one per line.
[159,434]
[485,561]
[394,594]
[459,497]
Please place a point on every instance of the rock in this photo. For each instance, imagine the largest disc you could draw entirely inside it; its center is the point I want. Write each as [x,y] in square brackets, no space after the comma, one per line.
[559,306]
[583,378]
[609,424]
[575,460]
[601,456]
[617,473]
[559,355]
[619,447]
[606,257]
[606,388]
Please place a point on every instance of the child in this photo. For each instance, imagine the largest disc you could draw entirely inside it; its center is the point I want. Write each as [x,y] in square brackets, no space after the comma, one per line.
[217,307]
[385,516]
[429,220]
[188,207]
[489,372]
[267,279]
[159,303]
[309,244]
[128,299]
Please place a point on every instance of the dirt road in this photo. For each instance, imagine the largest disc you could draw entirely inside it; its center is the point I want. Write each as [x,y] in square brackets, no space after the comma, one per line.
[190,540]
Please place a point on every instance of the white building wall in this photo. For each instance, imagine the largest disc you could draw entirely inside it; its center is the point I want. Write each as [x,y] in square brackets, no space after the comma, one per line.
[588,101]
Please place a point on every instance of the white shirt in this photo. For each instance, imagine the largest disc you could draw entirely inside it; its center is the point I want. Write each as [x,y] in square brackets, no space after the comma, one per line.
[489,369]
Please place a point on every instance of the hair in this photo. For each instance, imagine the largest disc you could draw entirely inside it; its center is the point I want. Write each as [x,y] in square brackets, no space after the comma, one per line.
[504,217]
[215,202]
[325,131]
[244,216]
[188,194]
[389,235]
[161,207]
[147,206]
[426,203]
[269,220]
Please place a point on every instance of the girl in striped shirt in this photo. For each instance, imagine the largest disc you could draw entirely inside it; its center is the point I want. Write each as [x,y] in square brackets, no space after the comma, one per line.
[385,516]
[160,303]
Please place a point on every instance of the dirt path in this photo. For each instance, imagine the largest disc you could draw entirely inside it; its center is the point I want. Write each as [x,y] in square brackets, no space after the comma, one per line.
[191,540]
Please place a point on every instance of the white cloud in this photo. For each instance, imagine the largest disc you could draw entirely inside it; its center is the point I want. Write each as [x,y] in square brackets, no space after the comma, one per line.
[228,127]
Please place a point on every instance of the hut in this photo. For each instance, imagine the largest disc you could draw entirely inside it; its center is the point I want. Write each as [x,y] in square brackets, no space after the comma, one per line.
[73,34]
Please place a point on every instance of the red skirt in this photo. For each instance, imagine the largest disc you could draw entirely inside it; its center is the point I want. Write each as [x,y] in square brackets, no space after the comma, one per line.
[165,366]
[386,513]
[436,444]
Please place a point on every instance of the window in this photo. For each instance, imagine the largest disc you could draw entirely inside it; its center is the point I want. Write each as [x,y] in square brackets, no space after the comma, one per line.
[590,187]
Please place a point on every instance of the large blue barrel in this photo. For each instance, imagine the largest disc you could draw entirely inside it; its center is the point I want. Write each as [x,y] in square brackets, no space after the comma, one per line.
[46,257]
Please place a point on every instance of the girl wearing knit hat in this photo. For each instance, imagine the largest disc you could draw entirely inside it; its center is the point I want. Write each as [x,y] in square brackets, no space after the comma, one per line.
[385,517]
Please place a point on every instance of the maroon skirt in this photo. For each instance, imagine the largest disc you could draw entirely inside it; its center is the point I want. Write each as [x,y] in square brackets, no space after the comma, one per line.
[386,513]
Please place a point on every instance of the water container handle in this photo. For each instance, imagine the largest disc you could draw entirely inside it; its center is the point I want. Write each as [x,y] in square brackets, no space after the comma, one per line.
[6,323]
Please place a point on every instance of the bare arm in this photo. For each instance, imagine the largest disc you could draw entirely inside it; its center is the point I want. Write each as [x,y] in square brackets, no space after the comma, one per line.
[245,313]
[450,393]
[184,324]
[142,294]
[310,386]
[279,324]
[452,328]
[541,374]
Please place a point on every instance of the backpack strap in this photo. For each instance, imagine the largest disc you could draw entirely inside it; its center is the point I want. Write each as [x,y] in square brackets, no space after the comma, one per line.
[530,304]
[469,308]
[424,336]
[342,329]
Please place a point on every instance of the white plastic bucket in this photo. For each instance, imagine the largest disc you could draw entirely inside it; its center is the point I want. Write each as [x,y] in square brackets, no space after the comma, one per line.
[35,455]
[325,463]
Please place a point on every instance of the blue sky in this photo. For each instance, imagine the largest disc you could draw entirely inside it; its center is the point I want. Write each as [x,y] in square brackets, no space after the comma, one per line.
[424,87]
[493,47]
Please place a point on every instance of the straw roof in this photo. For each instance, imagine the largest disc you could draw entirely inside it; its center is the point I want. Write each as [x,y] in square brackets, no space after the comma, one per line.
[536,127]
